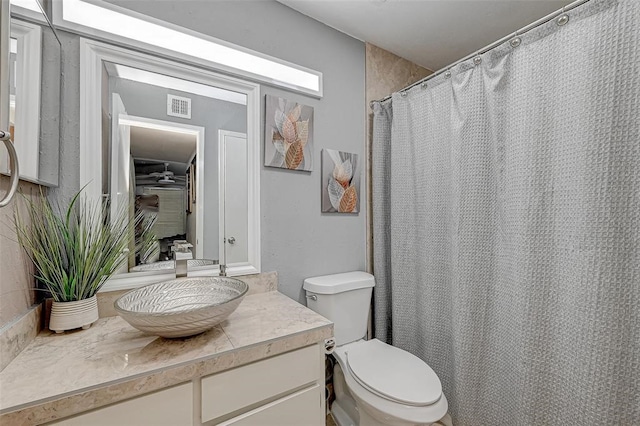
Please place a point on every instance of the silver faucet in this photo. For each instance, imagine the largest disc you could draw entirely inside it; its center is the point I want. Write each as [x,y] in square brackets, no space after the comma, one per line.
[181,246]
[181,268]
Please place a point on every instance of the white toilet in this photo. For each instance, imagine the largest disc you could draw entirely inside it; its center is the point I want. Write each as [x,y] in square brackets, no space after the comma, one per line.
[374,383]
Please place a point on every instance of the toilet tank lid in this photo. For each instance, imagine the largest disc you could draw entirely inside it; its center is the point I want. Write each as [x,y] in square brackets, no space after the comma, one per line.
[338,283]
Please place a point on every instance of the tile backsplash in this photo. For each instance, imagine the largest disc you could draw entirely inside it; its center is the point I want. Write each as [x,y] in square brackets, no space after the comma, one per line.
[17,334]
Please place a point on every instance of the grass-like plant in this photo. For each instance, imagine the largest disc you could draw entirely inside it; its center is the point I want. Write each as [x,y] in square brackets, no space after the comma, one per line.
[74,250]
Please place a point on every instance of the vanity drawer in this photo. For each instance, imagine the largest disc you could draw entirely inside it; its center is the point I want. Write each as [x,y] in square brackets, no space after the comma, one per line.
[171,407]
[242,387]
[301,408]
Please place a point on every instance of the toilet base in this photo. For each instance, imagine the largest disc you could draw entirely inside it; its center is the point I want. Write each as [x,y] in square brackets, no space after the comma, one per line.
[445,421]
[344,409]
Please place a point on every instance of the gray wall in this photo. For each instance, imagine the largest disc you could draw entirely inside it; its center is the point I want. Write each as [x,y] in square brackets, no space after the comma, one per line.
[145,100]
[297,240]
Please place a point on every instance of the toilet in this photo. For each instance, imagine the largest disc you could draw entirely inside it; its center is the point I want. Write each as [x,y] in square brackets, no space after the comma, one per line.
[375,383]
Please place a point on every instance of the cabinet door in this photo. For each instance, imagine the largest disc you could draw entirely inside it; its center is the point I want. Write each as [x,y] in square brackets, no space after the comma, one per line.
[233,390]
[301,408]
[170,407]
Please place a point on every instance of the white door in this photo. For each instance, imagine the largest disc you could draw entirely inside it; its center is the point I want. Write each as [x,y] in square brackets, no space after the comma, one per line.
[120,164]
[234,198]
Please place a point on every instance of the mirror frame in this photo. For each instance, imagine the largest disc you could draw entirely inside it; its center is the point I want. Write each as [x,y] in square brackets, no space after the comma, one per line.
[5,36]
[39,91]
[92,56]
[27,110]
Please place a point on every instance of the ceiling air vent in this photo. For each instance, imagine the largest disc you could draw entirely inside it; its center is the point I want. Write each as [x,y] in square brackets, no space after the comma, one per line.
[178,106]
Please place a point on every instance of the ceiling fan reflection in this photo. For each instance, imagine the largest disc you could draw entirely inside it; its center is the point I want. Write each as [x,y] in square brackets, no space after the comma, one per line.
[164,178]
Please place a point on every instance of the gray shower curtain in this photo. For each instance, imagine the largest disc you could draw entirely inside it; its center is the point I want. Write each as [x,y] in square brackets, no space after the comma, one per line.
[506,220]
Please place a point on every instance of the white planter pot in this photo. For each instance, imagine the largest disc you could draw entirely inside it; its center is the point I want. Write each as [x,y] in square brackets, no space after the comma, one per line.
[70,315]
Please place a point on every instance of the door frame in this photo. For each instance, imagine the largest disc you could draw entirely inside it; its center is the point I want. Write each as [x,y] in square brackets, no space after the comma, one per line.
[253,225]
[198,132]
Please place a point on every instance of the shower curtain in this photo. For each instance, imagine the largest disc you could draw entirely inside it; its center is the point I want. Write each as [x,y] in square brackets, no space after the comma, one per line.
[506,216]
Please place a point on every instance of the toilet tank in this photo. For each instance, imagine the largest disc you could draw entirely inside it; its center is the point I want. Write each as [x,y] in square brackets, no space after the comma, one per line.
[345,299]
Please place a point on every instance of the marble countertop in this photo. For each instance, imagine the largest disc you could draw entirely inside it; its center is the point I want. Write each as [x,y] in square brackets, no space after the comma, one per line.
[59,375]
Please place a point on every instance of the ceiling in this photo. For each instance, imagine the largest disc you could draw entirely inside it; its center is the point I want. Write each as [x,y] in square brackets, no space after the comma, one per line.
[162,145]
[168,82]
[431,33]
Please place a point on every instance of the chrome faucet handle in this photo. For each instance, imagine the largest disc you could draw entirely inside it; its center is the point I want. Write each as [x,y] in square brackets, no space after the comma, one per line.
[181,268]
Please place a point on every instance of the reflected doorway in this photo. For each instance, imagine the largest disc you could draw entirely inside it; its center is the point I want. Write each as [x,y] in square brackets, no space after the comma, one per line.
[154,172]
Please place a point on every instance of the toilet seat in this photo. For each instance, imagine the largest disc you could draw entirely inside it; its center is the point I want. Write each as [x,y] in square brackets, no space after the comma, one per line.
[375,402]
[393,374]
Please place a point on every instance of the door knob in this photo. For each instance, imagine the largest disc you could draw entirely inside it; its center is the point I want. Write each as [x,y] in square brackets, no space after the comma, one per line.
[231,240]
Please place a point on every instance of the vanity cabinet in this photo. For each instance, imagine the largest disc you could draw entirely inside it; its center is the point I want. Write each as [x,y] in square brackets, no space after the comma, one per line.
[286,389]
[299,408]
[170,407]
[264,365]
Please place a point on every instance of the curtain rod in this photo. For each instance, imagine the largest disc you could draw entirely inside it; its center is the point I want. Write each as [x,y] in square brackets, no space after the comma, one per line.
[487,48]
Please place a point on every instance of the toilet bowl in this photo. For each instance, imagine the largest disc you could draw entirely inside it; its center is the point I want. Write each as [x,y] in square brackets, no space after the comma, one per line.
[374,383]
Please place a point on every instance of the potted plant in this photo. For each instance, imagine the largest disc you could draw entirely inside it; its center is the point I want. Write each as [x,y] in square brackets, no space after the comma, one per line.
[74,250]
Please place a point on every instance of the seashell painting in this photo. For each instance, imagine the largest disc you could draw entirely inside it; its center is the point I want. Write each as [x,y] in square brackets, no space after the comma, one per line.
[340,182]
[288,134]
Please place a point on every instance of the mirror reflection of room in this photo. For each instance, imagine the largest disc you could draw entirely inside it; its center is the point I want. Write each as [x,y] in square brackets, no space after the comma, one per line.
[160,135]
[161,194]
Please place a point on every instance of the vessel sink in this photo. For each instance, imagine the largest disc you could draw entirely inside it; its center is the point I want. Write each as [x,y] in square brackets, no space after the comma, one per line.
[181,307]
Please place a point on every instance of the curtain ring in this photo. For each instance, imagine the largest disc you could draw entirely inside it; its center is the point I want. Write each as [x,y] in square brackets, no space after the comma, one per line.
[478,59]
[515,41]
[563,18]
[403,93]
[424,85]
[447,74]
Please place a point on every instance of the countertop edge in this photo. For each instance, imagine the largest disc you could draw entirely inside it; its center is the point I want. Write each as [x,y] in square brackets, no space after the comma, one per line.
[61,406]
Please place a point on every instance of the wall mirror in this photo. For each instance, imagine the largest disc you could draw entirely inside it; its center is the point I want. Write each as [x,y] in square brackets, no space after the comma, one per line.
[178,145]
[34,94]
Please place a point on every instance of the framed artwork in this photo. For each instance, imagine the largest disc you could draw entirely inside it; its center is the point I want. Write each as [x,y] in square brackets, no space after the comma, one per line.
[340,182]
[288,134]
